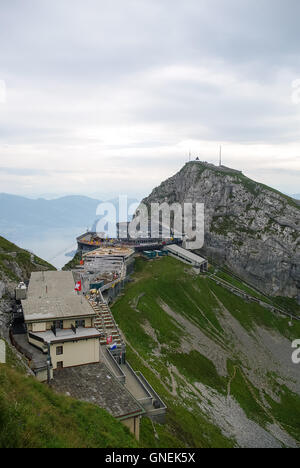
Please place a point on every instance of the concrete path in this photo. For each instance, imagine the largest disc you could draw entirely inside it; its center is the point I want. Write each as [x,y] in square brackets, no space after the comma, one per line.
[132,384]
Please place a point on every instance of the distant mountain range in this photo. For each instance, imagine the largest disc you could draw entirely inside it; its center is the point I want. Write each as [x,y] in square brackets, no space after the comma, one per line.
[66,211]
[49,227]
[70,211]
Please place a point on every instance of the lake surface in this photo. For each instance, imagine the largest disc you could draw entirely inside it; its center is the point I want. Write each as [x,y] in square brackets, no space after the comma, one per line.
[50,245]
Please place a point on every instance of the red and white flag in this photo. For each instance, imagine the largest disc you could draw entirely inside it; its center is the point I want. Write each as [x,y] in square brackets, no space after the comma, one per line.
[78,286]
[109,340]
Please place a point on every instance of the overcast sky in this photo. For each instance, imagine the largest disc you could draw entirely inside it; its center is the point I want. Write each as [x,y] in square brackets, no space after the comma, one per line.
[108,97]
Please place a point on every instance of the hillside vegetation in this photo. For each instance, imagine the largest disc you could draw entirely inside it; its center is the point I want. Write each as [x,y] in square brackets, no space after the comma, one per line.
[222,365]
[33,416]
[73,263]
[16,264]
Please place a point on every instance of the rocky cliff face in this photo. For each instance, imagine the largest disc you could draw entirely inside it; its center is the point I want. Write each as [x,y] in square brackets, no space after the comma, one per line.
[249,227]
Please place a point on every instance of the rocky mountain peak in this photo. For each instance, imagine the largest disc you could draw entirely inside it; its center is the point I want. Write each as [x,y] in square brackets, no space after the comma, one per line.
[251,228]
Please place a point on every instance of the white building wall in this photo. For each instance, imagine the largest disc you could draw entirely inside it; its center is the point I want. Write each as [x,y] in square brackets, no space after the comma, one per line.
[76,353]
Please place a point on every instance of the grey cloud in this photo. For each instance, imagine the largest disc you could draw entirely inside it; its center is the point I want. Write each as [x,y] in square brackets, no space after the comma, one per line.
[98,39]
[68,50]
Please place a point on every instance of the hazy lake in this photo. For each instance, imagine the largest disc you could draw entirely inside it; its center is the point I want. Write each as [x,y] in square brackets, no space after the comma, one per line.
[51,245]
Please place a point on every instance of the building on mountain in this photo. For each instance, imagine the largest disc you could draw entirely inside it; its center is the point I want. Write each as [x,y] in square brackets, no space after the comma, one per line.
[72,342]
[60,322]
[187,257]
[106,268]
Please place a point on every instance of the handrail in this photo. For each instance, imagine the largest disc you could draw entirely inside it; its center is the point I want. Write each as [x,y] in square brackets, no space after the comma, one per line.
[255,299]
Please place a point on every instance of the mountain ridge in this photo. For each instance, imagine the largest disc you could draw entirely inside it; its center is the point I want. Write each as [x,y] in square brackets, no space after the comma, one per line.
[251,228]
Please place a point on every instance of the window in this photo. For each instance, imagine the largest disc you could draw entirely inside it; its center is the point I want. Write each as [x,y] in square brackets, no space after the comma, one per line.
[59,350]
[58,324]
[60,365]
[80,323]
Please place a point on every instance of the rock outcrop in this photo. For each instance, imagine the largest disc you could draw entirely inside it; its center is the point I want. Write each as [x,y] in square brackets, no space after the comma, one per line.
[252,229]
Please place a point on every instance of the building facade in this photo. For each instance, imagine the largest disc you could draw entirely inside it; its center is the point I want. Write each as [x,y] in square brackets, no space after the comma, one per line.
[59,321]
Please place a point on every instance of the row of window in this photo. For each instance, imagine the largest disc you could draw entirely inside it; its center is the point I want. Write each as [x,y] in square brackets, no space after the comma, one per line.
[60,324]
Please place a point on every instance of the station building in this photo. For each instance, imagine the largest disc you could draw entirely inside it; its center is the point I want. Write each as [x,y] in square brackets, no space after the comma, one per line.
[60,322]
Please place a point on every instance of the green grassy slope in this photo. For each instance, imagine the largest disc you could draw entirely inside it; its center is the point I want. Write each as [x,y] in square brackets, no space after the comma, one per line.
[180,330]
[73,263]
[287,304]
[33,416]
[18,266]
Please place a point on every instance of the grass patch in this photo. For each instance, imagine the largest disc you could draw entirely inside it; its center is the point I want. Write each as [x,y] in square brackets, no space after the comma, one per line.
[197,368]
[252,314]
[74,262]
[33,416]
[185,424]
[22,258]
[287,412]
[196,299]
[247,396]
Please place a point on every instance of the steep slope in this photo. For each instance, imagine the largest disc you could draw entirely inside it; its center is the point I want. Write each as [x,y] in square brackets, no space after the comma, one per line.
[32,415]
[222,365]
[249,227]
[16,265]
[73,263]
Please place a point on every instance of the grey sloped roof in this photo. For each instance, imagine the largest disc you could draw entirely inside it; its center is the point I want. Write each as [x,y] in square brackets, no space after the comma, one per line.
[186,253]
[95,384]
[51,295]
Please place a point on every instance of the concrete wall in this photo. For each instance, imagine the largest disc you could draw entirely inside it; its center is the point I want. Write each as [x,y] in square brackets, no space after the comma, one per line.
[39,327]
[133,425]
[42,375]
[21,293]
[156,414]
[76,353]
[37,343]
[108,356]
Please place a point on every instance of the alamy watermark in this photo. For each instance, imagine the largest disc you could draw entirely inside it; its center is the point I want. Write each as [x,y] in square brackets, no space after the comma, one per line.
[156,220]
[296,353]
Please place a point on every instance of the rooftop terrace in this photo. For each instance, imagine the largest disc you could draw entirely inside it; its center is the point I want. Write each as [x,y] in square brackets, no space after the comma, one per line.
[96,384]
[110,251]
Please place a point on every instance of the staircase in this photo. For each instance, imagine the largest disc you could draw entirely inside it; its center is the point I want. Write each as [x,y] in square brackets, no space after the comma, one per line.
[104,321]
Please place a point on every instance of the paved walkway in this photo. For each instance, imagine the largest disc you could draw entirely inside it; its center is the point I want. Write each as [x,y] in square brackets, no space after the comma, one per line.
[132,384]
